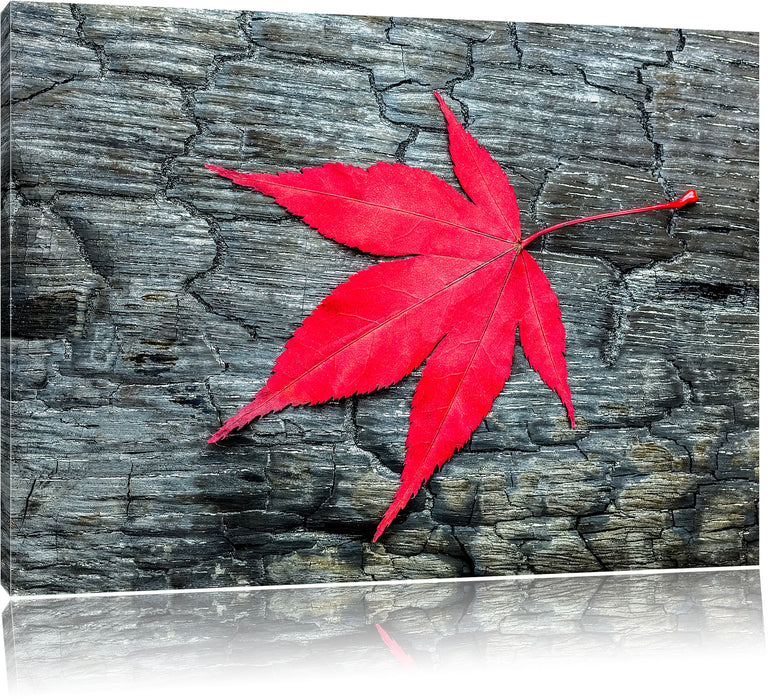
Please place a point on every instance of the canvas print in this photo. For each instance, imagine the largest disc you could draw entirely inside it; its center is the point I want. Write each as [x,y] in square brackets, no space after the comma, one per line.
[295,298]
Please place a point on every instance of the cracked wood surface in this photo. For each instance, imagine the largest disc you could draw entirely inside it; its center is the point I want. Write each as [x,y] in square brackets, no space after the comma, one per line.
[150,298]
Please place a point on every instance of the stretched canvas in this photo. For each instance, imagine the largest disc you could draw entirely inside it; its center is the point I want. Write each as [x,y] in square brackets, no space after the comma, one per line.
[145,298]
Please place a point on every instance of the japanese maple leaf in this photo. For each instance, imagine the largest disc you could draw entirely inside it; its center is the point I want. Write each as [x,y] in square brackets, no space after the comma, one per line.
[457,302]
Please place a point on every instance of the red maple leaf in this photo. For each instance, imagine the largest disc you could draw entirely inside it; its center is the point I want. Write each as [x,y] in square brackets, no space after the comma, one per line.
[403,657]
[457,302]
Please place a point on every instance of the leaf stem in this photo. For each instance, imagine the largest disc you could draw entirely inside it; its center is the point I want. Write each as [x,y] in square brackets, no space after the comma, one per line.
[687,198]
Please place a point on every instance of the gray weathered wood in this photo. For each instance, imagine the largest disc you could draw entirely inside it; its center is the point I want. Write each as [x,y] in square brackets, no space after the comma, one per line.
[150,298]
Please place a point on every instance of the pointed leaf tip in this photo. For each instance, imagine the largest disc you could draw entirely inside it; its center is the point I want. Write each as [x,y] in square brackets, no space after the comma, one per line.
[220,434]
[482,178]
[234,175]
[449,116]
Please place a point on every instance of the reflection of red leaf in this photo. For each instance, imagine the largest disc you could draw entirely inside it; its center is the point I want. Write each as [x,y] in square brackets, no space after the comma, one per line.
[458,302]
[399,653]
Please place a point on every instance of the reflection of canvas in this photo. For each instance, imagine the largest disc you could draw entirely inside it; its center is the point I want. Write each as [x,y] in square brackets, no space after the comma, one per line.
[449,628]
[149,299]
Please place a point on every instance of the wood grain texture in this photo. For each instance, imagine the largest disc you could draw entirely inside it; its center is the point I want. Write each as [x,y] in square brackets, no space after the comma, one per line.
[145,299]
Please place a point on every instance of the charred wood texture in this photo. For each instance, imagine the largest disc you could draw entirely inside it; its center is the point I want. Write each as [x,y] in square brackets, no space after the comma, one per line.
[145,299]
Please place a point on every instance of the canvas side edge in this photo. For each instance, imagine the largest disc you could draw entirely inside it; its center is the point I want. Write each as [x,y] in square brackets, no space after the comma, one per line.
[5,298]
